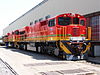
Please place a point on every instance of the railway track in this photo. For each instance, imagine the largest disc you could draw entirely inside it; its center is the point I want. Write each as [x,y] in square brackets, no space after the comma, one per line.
[6,69]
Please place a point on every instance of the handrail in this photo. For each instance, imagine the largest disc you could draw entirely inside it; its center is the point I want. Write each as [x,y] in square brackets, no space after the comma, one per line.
[89,33]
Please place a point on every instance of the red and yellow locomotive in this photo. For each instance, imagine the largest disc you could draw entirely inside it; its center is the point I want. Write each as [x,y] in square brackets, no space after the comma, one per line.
[64,35]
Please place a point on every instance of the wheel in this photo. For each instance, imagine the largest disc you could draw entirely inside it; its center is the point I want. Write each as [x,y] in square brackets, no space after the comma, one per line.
[25,46]
[56,52]
[39,49]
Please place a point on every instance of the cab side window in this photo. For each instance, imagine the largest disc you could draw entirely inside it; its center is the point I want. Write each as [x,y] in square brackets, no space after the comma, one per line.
[17,32]
[51,23]
[22,32]
[82,22]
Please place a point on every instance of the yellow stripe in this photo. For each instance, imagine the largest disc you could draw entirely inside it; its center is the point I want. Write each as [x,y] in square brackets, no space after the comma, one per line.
[64,48]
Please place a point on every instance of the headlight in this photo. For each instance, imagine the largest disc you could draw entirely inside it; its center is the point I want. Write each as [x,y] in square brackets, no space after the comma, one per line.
[77,38]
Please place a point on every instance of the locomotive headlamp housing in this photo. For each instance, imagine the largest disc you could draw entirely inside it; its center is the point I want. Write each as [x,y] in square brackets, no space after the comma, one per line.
[77,38]
[64,15]
[78,16]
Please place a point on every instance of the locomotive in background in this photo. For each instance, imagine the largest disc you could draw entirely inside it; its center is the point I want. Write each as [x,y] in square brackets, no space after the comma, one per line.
[65,36]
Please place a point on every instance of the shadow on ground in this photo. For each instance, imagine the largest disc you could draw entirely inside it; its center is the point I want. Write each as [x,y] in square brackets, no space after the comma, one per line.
[37,56]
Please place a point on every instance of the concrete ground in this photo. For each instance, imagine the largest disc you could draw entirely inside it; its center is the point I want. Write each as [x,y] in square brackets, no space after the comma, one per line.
[5,69]
[31,63]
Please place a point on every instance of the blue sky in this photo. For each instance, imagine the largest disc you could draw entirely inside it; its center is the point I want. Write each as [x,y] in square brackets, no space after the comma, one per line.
[12,9]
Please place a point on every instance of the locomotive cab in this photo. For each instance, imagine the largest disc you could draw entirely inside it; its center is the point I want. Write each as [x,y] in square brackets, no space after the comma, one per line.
[71,30]
[73,27]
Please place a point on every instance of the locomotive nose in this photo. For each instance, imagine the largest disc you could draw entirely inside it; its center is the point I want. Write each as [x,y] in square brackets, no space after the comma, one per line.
[76,33]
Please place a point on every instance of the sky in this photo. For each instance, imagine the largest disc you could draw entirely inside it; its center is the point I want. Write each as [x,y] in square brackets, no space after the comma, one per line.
[13,9]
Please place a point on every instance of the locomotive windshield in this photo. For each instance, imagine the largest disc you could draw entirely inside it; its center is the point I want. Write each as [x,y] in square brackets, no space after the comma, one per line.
[64,20]
[75,20]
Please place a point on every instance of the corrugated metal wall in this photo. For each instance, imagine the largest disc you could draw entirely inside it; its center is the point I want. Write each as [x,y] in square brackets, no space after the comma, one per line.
[52,8]
[93,20]
[95,27]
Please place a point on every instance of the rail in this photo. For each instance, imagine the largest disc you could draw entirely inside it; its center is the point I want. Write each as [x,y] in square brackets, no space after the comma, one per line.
[7,69]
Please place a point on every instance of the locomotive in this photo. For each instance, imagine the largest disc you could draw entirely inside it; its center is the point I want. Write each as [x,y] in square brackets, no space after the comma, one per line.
[65,35]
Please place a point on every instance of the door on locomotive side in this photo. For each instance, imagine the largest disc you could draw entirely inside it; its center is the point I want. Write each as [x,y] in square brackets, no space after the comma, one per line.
[43,30]
[63,28]
[52,29]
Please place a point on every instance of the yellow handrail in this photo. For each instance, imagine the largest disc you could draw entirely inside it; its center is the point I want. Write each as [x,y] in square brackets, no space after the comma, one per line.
[89,33]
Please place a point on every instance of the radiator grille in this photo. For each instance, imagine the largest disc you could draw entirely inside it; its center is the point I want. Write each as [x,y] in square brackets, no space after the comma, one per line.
[76,31]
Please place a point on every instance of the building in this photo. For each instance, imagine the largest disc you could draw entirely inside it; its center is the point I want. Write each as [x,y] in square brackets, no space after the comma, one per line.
[93,20]
[50,8]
